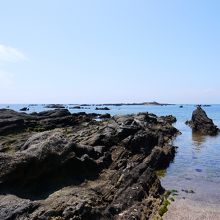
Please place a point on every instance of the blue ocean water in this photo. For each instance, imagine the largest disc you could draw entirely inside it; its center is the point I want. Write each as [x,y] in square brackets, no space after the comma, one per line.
[197,163]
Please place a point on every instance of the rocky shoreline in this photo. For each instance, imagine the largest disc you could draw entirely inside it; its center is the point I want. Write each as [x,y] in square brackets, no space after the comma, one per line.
[58,165]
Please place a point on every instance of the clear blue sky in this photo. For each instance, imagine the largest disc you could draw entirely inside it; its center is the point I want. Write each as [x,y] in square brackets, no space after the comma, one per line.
[95,51]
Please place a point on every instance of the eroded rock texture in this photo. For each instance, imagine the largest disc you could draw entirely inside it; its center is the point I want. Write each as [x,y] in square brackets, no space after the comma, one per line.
[57,165]
[200,122]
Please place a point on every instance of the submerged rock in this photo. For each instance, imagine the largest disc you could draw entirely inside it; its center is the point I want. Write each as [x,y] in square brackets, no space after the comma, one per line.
[80,168]
[200,122]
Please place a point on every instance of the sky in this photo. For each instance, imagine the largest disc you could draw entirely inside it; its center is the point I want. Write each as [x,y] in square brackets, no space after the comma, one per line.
[109,51]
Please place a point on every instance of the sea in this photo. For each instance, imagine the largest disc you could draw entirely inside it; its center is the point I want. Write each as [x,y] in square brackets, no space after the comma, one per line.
[196,167]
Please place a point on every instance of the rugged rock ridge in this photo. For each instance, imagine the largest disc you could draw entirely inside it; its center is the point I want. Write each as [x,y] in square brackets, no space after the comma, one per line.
[200,122]
[11,121]
[78,168]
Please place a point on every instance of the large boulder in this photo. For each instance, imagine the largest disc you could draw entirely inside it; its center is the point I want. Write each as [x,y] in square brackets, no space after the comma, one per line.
[200,122]
[41,156]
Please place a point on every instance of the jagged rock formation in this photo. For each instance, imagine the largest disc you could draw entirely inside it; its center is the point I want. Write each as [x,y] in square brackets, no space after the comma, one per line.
[200,122]
[57,165]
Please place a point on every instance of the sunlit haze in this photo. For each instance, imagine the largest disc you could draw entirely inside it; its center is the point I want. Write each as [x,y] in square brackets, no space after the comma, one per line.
[109,51]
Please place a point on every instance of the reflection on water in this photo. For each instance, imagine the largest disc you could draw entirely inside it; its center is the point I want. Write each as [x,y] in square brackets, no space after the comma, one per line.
[198,142]
[198,138]
[196,166]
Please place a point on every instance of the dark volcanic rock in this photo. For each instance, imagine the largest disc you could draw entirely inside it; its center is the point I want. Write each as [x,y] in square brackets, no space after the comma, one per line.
[201,123]
[24,109]
[168,119]
[104,108]
[79,168]
[105,116]
[11,121]
[75,107]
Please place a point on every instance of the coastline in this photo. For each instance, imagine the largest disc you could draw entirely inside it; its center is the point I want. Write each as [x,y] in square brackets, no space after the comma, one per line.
[55,164]
[190,162]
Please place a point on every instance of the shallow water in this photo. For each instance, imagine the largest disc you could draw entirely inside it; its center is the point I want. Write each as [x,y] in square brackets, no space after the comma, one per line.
[197,163]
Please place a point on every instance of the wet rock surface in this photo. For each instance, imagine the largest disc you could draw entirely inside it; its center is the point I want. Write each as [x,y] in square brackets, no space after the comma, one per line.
[57,165]
[201,123]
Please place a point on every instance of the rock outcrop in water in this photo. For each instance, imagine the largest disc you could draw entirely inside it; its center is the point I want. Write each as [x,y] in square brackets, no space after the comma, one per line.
[200,122]
[55,106]
[102,108]
[24,109]
[57,165]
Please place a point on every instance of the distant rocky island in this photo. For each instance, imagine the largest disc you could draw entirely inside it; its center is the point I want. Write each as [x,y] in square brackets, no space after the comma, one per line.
[107,104]
[135,103]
